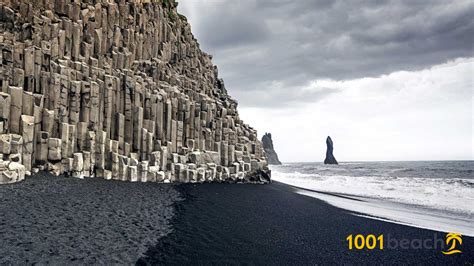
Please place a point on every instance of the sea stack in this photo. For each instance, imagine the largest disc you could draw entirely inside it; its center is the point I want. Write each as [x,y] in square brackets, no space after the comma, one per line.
[329,156]
[116,90]
[272,156]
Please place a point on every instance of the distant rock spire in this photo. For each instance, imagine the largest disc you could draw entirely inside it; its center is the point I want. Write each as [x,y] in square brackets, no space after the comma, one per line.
[272,156]
[329,156]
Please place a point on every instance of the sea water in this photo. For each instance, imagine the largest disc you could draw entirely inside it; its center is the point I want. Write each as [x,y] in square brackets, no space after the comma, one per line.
[437,195]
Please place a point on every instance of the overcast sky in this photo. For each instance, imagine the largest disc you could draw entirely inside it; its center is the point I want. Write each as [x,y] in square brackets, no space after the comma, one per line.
[387,80]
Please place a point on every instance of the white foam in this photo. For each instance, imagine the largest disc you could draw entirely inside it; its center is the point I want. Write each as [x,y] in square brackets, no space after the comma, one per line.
[434,203]
[453,194]
[399,213]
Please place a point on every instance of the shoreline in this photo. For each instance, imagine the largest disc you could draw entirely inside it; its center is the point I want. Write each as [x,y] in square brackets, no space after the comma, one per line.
[273,224]
[394,212]
[47,219]
[433,195]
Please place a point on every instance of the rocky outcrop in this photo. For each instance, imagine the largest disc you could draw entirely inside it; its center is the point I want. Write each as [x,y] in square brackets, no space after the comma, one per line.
[267,143]
[118,90]
[329,156]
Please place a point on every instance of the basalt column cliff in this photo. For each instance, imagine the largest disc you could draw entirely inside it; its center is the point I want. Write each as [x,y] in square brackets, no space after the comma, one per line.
[116,90]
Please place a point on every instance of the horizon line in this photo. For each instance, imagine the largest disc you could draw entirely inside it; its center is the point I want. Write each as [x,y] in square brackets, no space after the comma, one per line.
[367,161]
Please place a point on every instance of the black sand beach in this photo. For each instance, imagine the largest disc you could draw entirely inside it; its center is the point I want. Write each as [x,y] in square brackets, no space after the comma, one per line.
[57,220]
[271,224]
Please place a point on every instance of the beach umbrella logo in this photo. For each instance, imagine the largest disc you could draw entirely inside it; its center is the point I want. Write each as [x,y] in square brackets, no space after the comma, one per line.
[453,239]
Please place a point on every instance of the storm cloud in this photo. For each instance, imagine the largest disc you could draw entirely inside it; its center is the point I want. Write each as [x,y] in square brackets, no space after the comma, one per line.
[269,52]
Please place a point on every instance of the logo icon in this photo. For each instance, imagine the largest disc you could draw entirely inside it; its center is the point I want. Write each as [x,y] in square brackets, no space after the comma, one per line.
[452,239]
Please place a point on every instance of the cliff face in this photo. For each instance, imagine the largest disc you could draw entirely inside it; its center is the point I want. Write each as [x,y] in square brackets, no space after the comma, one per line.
[117,90]
[267,143]
[329,156]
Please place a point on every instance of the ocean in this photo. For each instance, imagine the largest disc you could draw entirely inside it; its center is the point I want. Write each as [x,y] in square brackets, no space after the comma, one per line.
[430,194]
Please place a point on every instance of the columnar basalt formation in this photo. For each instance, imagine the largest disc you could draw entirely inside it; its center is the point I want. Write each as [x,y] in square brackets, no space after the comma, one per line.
[119,90]
[329,156]
[267,143]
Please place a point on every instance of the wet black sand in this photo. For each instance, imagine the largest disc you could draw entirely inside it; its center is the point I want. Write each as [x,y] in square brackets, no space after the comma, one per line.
[271,224]
[58,220]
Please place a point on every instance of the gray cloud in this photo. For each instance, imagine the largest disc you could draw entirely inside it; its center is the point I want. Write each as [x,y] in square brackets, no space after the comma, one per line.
[257,44]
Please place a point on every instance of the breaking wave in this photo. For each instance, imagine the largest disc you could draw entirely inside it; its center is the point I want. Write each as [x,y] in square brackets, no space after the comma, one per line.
[448,188]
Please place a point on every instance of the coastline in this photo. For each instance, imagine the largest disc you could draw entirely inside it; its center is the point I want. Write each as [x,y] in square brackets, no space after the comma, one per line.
[394,212]
[47,219]
[273,224]
[432,195]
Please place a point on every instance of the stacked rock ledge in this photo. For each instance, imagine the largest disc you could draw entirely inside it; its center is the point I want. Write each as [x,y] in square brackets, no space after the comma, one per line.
[117,90]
